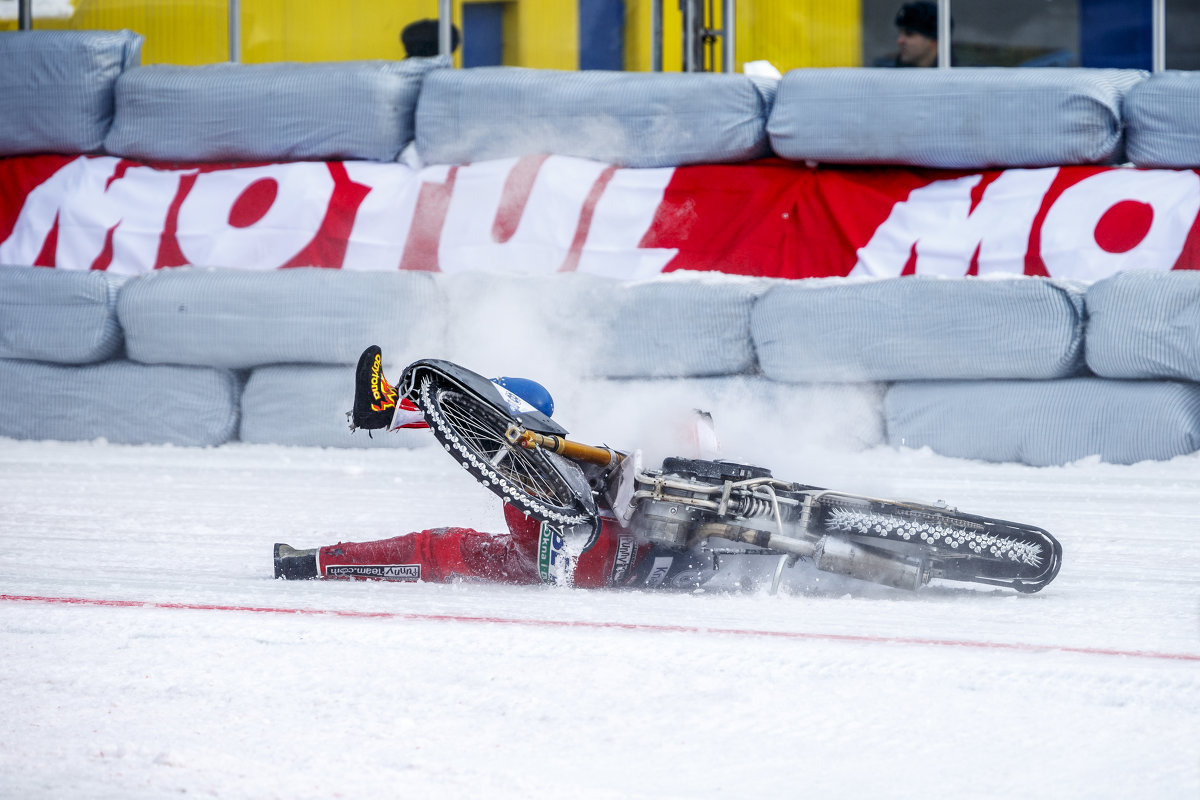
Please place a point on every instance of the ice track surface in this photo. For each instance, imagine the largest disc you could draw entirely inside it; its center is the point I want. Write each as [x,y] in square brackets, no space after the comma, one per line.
[147,652]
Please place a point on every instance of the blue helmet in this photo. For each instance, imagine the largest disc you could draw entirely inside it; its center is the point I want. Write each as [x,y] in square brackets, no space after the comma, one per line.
[531,392]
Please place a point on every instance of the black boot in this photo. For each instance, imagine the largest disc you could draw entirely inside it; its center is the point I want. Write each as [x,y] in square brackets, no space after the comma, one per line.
[374,397]
[295,565]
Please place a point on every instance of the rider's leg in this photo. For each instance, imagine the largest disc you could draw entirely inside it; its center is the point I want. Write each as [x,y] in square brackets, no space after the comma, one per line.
[433,555]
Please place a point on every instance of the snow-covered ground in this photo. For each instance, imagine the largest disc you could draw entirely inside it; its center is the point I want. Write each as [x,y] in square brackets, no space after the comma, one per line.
[148,653]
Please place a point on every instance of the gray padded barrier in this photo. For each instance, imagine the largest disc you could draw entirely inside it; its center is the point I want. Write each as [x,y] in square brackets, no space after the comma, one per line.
[625,118]
[655,416]
[1162,121]
[57,315]
[916,328]
[305,406]
[767,89]
[676,327]
[1145,325]
[673,326]
[267,112]
[56,88]
[119,401]
[965,118]
[239,319]
[295,404]
[1046,423]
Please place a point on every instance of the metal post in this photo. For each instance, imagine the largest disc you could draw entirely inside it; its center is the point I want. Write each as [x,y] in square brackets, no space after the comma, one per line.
[729,36]
[656,35]
[25,15]
[445,23]
[943,61]
[235,31]
[689,35]
[1158,23]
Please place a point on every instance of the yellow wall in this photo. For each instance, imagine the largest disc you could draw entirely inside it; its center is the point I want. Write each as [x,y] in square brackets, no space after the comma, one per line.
[547,34]
[788,33]
[176,31]
[800,33]
[197,32]
[287,30]
[537,33]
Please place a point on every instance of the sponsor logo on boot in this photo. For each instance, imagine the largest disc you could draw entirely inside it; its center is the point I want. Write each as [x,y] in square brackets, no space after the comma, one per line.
[381,390]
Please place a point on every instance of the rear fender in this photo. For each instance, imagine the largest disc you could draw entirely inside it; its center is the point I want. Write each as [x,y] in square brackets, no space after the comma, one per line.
[480,387]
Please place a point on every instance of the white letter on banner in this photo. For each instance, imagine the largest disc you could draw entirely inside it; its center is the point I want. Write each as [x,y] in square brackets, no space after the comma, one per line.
[939,220]
[384,218]
[137,204]
[89,203]
[1069,235]
[546,227]
[41,208]
[622,217]
[301,199]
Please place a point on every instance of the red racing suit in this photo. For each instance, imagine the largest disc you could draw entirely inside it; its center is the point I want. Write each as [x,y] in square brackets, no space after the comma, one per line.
[531,552]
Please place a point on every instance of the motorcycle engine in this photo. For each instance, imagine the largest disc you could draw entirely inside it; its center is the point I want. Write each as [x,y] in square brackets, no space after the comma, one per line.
[668,518]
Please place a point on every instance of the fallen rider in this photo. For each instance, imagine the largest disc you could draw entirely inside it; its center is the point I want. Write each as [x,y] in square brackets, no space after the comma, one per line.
[600,553]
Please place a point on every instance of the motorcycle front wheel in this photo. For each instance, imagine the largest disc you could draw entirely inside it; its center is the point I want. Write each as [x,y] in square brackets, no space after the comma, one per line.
[538,482]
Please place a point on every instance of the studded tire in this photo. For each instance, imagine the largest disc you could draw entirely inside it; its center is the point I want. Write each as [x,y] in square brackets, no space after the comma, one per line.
[962,547]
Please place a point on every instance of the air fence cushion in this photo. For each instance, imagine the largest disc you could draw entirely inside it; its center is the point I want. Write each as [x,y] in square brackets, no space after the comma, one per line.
[267,112]
[1145,325]
[626,118]
[916,328]
[1162,121]
[56,88]
[756,419]
[120,401]
[679,326]
[1045,423]
[301,405]
[676,325]
[965,118]
[239,319]
[57,315]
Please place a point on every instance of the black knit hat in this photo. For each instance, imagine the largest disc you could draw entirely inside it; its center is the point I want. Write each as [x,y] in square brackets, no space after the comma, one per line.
[919,18]
[420,38]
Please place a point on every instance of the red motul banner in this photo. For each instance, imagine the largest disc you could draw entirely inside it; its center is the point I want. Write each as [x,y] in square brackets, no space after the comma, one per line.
[552,214]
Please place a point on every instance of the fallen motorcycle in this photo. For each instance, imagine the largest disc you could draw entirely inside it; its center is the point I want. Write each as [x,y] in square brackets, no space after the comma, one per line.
[714,507]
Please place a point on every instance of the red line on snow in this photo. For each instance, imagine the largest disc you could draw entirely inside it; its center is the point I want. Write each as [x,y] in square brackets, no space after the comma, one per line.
[628,626]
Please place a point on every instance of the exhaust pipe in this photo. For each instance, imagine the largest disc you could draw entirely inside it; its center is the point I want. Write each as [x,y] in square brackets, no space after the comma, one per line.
[842,557]
[670,524]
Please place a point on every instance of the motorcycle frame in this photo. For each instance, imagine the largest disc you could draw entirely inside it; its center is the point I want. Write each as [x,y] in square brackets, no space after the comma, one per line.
[847,558]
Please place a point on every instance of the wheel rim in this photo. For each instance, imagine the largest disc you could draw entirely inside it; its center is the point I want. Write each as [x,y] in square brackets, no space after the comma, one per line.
[476,432]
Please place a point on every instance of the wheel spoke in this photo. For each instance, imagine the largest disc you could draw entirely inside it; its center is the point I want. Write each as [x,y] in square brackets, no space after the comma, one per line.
[480,428]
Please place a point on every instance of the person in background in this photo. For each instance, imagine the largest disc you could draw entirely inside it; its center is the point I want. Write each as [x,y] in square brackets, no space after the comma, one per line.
[420,38]
[916,37]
